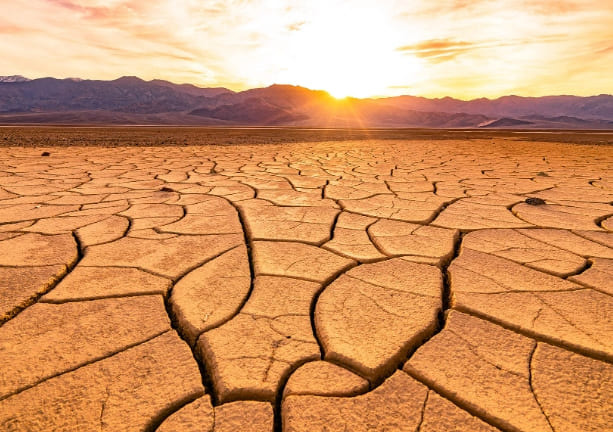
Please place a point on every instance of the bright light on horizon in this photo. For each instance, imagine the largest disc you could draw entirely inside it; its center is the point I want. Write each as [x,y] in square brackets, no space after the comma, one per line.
[348,48]
[353,56]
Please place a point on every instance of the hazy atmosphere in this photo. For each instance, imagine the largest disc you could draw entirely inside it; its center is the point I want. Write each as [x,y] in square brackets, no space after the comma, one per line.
[458,48]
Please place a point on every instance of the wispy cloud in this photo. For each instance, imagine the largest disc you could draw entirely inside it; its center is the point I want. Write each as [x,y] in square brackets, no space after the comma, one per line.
[296,26]
[605,50]
[94,11]
[541,7]
[557,7]
[439,50]
[13,29]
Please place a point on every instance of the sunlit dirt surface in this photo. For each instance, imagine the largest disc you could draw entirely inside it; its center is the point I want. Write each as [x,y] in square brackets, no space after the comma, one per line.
[435,283]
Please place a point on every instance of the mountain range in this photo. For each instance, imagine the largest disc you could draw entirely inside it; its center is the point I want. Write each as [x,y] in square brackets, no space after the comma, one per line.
[131,100]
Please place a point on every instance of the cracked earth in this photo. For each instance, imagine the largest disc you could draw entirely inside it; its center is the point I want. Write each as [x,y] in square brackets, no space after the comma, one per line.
[336,286]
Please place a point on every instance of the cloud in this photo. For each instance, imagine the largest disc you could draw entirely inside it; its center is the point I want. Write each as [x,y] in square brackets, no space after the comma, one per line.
[438,49]
[88,12]
[130,53]
[296,26]
[489,7]
[555,7]
[605,50]
[13,29]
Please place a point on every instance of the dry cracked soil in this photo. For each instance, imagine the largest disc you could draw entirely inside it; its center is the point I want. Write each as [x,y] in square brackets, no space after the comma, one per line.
[424,286]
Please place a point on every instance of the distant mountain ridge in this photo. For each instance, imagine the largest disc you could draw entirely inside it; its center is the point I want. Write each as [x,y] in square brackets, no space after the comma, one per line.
[598,107]
[13,78]
[131,100]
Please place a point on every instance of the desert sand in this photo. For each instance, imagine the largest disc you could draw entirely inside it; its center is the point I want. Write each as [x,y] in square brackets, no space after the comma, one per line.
[372,285]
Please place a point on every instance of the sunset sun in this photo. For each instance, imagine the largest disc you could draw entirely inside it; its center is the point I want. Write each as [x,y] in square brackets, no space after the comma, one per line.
[349,52]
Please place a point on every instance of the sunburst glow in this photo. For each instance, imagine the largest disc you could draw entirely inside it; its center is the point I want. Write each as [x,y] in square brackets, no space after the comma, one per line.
[352,56]
[348,47]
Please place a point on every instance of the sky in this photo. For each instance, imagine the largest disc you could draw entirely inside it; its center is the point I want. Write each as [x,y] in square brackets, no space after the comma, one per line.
[434,48]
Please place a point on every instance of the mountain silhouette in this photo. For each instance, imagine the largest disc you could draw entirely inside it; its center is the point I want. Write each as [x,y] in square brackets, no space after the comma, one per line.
[131,100]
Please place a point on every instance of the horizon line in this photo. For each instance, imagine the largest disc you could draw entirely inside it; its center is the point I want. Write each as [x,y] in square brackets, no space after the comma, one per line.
[77,79]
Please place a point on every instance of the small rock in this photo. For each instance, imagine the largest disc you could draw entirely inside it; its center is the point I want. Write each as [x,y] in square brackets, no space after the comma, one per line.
[542,174]
[45,154]
[167,189]
[535,201]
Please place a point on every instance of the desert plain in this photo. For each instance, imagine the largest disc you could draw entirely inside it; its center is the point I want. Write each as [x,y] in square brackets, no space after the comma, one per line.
[297,280]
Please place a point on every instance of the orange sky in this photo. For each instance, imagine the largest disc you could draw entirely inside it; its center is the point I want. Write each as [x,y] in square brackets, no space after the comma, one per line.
[459,48]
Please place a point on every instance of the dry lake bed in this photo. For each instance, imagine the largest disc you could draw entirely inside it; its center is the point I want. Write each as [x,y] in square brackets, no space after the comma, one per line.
[426,282]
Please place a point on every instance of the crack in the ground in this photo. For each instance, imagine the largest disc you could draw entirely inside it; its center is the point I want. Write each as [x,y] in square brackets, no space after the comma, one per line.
[585,267]
[423,412]
[583,236]
[94,298]
[442,318]
[315,299]
[155,422]
[596,355]
[447,293]
[465,405]
[83,364]
[373,385]
[103,407]
[34,299]
[206,379]
[599,220]
[530,383]
[206,376]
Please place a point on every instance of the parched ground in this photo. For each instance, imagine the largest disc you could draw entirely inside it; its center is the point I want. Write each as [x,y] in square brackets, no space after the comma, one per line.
[426,286]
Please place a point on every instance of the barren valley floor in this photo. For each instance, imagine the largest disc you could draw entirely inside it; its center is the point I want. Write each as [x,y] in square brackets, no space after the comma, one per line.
[421,282]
